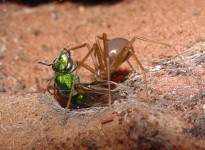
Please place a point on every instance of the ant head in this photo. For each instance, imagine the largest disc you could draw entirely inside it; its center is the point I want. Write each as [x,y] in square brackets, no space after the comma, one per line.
[63,63]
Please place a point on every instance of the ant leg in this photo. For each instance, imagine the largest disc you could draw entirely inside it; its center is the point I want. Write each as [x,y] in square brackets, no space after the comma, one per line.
[140,65]
[50,80]
[48,90]
[79,46]
[108,76]
[71,90]
[54,88]
[172,47]
[55,91]
[99,53]
[129,64]
[122,56]
[88,47]
[87,67]
[165,44]
[81,63]
[107,62]
[143,71]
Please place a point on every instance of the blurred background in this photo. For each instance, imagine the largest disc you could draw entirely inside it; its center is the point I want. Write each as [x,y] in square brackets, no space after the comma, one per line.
[33,31]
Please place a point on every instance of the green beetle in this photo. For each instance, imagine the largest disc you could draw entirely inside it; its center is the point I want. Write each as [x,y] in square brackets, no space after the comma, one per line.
[64,66]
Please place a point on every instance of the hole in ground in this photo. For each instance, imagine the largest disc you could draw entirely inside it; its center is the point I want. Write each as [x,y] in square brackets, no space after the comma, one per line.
[96,96]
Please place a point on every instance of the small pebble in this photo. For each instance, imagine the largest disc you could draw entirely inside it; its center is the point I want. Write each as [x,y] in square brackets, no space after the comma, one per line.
[106,119]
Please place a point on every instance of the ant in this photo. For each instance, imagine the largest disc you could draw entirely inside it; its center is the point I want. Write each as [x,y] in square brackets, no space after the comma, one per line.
[64,66]
[110,56]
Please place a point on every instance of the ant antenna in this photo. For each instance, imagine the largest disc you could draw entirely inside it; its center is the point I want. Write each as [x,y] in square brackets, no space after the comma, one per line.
[45,64]
[67,47]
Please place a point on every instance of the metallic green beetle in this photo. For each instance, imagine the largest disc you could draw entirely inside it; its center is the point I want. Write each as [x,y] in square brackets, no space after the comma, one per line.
[64,66]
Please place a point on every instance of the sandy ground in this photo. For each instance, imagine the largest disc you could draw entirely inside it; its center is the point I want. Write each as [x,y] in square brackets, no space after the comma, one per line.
[173,118]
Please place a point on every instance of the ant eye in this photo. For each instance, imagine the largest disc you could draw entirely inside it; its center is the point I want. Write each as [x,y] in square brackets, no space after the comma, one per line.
[70,66]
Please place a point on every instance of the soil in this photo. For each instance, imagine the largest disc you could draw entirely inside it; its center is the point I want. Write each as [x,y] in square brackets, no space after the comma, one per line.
[172,118]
